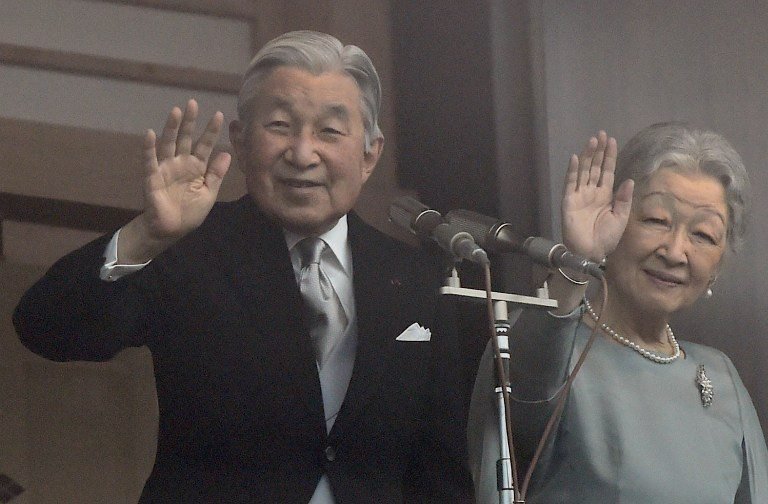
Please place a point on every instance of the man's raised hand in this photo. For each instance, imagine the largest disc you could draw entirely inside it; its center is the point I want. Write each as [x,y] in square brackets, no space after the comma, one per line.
[181,182]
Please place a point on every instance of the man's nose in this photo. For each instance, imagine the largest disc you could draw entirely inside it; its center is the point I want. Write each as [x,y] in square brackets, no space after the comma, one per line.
[302,152]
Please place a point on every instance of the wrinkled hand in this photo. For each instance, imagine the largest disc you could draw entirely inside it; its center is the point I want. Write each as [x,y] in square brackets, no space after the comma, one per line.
[181,183]
[593,218]
[181,179]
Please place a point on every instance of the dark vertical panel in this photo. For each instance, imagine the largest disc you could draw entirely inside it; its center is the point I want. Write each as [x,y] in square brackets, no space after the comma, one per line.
[464,113]
[515,108]
[464,126]
[444,112]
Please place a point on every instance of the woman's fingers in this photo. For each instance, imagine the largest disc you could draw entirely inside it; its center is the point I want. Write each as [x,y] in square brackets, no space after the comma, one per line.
[595,162]
[622,203]
[572,174]
[609,164]
[596,166]
[585,162]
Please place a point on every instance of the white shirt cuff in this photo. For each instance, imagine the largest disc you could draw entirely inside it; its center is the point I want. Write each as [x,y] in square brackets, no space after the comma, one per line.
[111,271]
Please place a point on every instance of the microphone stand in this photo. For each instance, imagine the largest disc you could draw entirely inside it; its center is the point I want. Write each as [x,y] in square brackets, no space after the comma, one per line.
[502,323]
[504,480]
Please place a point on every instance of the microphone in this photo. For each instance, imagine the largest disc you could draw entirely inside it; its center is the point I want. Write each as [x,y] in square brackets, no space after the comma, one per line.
[414,216]
[497,236]
[425,222]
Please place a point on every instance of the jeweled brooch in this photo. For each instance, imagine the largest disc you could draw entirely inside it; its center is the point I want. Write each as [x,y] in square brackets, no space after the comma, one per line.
[706,389]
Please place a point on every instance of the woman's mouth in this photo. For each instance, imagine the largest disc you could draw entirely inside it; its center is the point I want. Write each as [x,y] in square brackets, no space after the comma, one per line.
[664,278]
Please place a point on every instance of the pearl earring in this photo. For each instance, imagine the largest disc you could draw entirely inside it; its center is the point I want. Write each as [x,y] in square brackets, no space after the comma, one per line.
[708,292]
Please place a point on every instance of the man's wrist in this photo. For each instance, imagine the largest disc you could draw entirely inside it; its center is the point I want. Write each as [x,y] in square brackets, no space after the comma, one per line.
[111,270]
[137,245]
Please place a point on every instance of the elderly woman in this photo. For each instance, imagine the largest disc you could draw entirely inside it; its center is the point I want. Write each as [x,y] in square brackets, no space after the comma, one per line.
[648,419]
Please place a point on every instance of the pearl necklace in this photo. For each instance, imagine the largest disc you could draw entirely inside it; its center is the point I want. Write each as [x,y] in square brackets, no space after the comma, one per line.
[634,346]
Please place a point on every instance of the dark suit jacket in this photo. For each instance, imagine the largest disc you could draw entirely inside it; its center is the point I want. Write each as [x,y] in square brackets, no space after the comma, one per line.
[241,413]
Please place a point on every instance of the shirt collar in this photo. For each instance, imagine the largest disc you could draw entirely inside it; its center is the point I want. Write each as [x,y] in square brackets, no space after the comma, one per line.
[336,238]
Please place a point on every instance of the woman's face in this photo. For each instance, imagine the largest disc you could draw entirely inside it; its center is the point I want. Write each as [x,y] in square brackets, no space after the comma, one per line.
[673,244]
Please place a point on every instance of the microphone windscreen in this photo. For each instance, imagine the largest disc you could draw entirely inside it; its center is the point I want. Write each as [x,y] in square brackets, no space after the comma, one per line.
[479,226]
[414,216]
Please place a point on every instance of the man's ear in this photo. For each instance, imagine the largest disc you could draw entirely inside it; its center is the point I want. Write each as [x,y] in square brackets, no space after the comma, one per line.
[371,157]
[237,139]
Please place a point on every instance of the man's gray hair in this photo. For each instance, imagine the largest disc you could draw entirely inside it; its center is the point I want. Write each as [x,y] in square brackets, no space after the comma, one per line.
[317,53]
[676,145]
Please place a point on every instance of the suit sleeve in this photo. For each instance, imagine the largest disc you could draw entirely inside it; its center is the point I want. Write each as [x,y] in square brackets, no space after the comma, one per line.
[71,314]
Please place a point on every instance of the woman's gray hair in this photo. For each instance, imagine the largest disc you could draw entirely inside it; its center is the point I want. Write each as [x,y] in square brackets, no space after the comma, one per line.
[677,145]
[317,53]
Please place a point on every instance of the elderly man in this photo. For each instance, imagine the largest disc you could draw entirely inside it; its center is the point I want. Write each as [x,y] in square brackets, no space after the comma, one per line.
[291,341]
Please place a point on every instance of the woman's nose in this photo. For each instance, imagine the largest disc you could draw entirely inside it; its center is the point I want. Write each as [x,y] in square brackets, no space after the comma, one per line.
[674,247]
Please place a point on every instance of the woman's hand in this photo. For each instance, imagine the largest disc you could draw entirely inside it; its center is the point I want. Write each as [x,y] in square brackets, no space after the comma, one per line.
[593,218]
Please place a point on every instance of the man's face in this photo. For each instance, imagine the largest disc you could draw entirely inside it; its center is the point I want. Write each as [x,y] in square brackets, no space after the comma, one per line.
[303,153]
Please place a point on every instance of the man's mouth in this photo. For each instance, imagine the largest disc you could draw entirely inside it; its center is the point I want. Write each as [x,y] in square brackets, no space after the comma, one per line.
[301,184]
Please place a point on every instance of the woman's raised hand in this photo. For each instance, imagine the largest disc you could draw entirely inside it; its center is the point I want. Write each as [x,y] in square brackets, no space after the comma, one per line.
[593,217]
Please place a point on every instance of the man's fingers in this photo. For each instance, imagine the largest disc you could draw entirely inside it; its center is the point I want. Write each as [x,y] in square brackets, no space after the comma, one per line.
[187,128]
[166,148]
[149,152]
[210,136]
[217,168]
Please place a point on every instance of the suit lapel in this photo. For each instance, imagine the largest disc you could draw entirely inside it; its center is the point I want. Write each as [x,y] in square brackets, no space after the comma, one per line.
[265,282]
[378,295]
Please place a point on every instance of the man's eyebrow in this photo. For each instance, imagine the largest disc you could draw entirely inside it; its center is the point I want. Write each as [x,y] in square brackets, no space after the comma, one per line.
[336,110]
[279,102]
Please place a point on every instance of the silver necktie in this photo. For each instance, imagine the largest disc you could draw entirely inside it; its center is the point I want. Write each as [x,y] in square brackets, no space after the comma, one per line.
[325,314]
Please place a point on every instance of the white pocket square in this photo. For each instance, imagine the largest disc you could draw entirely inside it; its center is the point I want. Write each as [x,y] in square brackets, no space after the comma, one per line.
[415,332]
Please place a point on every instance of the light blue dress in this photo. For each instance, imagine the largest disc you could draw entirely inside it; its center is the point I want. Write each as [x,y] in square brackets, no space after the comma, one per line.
[632,432]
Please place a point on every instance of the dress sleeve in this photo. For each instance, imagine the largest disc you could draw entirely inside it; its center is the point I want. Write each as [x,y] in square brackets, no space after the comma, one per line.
[540,352]
[754,482]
